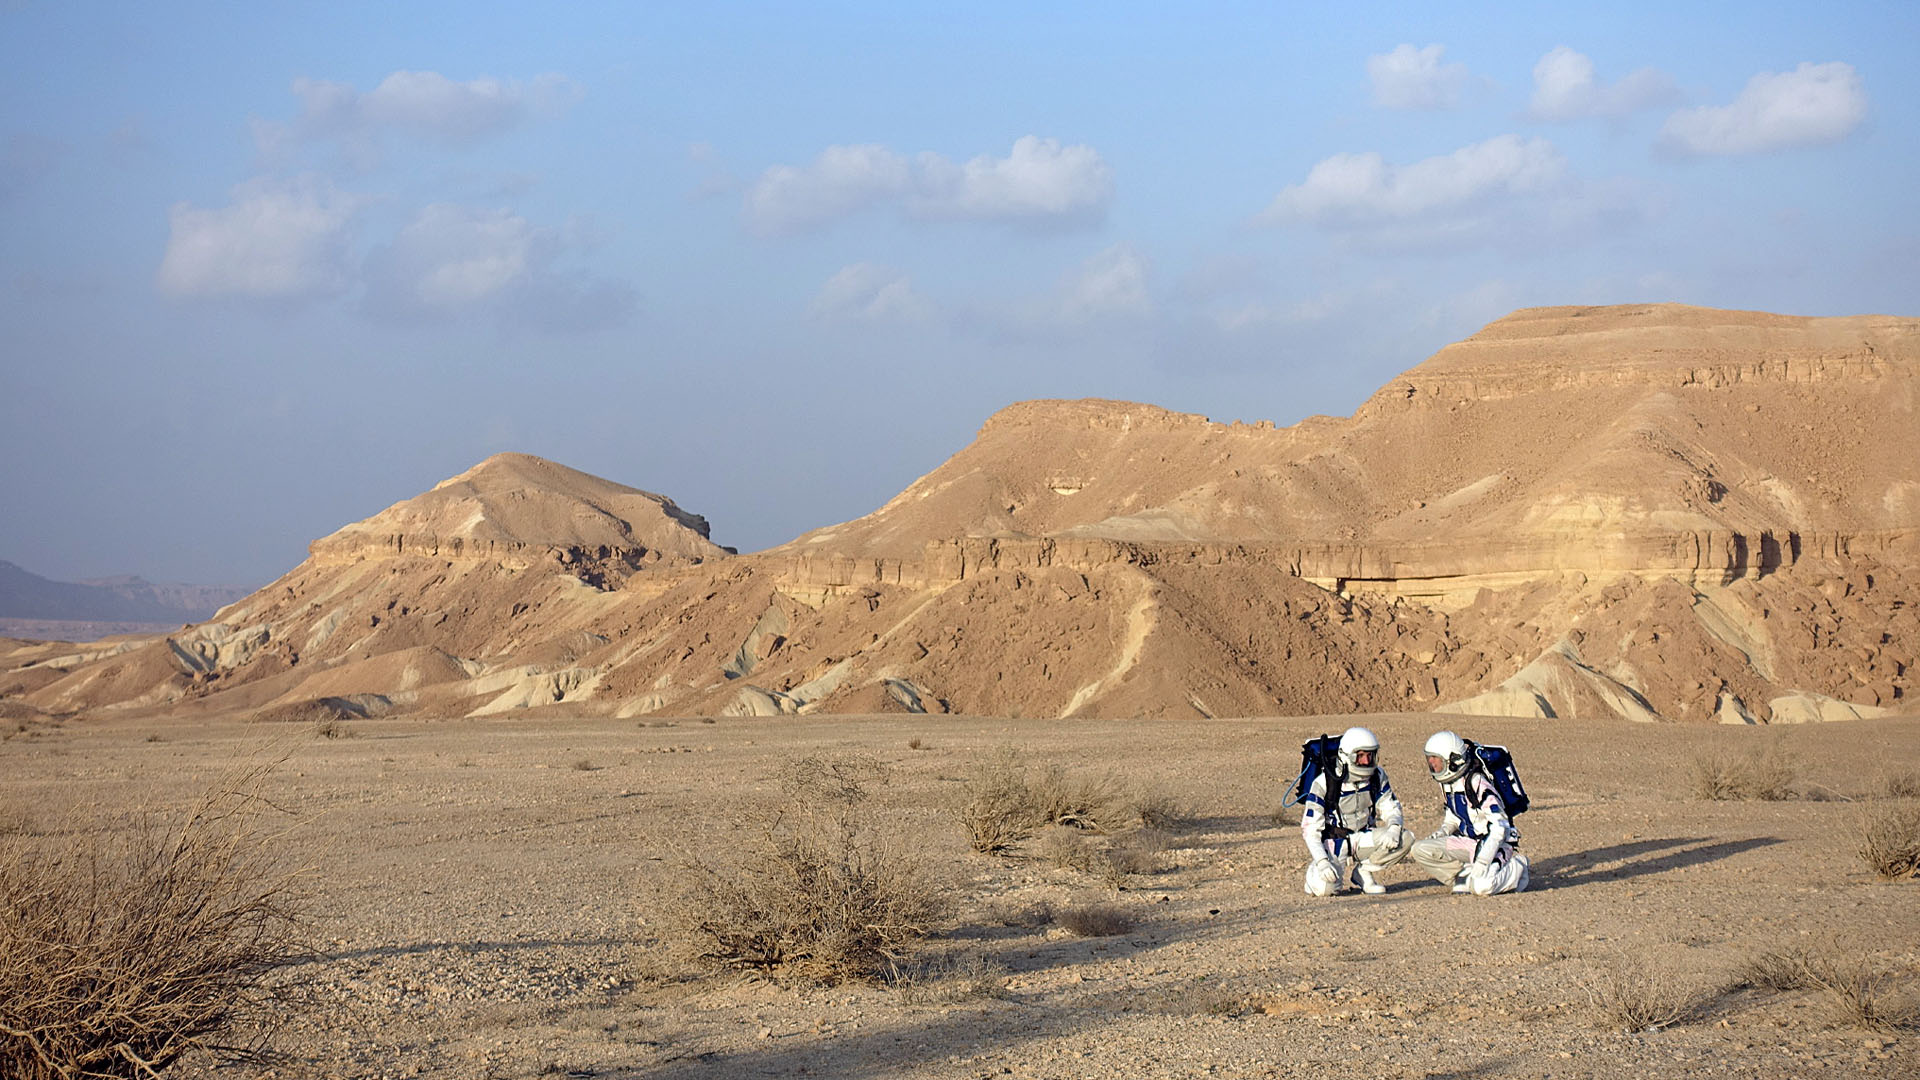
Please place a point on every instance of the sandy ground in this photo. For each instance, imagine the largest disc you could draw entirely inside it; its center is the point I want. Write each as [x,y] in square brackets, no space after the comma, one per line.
[488,898]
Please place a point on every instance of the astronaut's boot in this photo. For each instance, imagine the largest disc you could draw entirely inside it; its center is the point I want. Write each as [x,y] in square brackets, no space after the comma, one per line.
[1363,877]
[1460,884]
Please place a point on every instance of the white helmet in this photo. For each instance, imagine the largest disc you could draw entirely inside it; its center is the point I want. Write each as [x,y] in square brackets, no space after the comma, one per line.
[1451,751]
[1353,744]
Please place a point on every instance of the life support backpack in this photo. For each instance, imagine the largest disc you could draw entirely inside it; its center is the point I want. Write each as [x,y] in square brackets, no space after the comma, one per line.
[1321,757]
[1499,768]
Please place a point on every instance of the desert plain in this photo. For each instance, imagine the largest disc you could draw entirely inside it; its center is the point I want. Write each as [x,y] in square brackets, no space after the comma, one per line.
[493,898]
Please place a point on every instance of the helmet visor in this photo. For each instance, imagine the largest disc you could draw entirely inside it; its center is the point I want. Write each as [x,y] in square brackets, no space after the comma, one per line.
[1364,756]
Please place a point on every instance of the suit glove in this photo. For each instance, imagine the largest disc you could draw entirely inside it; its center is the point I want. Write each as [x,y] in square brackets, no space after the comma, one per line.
[1323,869]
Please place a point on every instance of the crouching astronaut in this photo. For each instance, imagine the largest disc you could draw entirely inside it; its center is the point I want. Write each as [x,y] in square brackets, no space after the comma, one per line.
[1476,849]
[1362,825]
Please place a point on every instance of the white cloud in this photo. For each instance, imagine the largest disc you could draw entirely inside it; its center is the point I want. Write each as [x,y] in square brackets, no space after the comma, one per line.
[1111,283]
[1564,88]
[453,259]
[423,105]
[1410,78]
[1356,189]
[1040,179]
[451,256]
[1039,182]
[277,239]
[1810,105]
[1506,191]
[866,292]
[840,181]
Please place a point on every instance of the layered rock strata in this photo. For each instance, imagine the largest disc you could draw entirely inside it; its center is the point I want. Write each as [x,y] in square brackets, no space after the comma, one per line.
[1650,513]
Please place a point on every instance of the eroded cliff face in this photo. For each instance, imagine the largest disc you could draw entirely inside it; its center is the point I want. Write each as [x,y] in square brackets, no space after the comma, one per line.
[1658,513]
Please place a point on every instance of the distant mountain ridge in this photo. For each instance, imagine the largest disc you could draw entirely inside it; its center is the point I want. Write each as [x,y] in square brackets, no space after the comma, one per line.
[125,599]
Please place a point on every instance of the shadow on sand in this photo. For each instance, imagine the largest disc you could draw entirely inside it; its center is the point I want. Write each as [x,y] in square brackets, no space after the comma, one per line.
[1621,861]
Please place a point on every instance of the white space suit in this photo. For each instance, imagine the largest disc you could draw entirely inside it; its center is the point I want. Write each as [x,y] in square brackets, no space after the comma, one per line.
[1475,849]
[1370,834]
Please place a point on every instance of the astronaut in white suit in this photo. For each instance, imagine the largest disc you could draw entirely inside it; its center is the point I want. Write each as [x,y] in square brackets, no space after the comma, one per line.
[1365,828]
[1475,850]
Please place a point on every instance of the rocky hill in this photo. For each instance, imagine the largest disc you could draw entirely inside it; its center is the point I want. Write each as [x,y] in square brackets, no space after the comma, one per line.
[1653,512]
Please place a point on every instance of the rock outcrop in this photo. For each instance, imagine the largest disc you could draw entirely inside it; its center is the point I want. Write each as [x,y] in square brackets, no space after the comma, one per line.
[1649,513]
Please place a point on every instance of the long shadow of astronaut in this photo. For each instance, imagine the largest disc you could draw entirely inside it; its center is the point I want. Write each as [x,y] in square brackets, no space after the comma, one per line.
[1621,861]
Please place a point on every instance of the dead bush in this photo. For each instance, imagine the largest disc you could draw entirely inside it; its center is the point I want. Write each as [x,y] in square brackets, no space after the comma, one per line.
[1857,995]
[952,980]
[1030,915]
[997,808]
[1095,920]
[1069,850]
[834,780]
[1631,999]
[119,961]
[1096,802]
[1890,839]
[1158,809]
[1855,991]
[1784,968]
[1138,852]
[1901,784]
[1765,774]
[821,895]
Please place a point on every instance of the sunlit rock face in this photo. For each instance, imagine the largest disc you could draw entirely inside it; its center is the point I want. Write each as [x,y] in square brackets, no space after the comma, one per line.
[1659,513]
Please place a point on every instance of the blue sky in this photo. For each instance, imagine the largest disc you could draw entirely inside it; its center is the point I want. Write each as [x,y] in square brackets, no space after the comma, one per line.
[265,269]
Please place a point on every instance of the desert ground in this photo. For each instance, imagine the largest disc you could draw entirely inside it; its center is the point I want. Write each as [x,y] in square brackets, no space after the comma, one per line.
[494,898]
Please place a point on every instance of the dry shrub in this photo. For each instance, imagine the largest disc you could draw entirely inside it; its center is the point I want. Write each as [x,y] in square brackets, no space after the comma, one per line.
[1029,915]
[1765,774]
[842,780]
[1857,996]
[1097,802]
[952,980]
[1069,850]
[917,743]
[1003,805]
[998,808]
[1890,839]
[1901,784]
[117,962]
[1639,999]
[585,765]
[1785,968]
[1159,809]
[1095,920]
[1856,992]
[1139,852]
[822,895]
